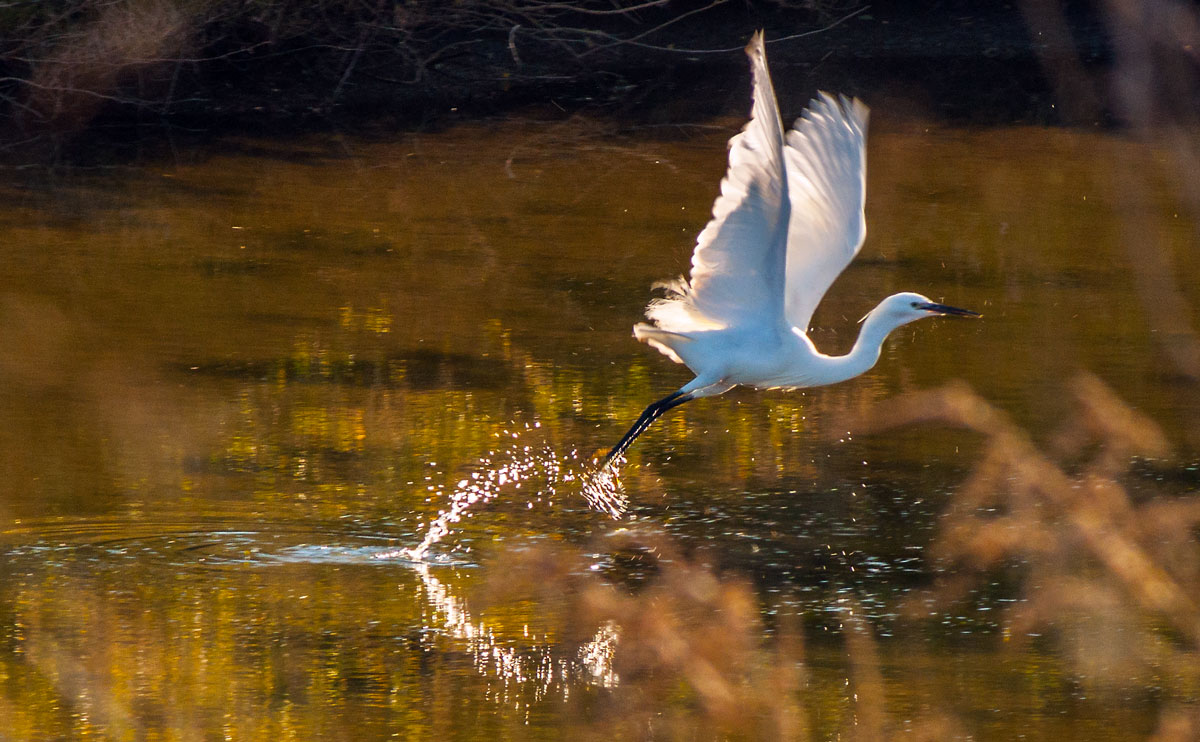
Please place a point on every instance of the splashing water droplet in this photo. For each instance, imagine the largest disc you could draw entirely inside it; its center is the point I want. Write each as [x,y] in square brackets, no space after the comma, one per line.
[603,489]
[511,467]
[506,468]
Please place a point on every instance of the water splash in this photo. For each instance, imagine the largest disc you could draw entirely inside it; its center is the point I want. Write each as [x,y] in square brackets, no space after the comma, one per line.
[603,489]
[506,468]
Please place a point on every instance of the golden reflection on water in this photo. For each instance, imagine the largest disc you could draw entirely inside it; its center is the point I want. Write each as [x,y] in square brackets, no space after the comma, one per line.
[520,671]
[331,339]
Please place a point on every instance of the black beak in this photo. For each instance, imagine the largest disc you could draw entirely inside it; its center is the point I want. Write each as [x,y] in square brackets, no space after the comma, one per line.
[952,311]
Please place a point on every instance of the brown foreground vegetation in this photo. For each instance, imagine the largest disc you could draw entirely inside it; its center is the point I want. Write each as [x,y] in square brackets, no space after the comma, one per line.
[1109,574]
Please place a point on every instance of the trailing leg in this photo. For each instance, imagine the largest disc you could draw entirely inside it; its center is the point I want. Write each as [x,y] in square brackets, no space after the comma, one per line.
[649,415]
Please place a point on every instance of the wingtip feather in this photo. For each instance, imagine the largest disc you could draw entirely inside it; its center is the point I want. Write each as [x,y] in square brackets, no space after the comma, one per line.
[757,45]
[843,106]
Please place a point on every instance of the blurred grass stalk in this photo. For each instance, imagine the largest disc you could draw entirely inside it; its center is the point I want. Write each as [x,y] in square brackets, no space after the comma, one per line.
[689,660]
[1151,86]
[1110,576]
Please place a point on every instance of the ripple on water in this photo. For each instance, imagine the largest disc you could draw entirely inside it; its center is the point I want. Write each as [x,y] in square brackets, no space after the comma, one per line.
[201,544]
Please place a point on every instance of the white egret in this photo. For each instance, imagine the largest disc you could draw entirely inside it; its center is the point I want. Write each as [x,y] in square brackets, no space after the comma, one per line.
[789,220]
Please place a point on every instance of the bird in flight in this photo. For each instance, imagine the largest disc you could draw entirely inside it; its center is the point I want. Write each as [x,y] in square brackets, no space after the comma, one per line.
[788,221]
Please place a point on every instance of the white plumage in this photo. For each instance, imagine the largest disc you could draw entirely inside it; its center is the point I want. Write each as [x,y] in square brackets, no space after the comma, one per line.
[788,221]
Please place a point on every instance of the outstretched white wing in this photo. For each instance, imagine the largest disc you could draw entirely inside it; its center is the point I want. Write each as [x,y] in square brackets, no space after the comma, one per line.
[737,275]
[826,162]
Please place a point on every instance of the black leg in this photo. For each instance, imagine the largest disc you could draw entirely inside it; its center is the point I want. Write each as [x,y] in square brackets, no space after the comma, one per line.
[649,415]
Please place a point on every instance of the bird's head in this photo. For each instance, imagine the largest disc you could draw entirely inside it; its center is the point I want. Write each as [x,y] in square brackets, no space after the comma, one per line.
[900,309]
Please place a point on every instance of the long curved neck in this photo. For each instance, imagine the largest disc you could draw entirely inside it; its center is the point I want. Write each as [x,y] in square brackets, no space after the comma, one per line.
[865,353]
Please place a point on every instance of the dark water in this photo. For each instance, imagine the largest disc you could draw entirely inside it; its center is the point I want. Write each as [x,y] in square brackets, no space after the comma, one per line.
[234,387]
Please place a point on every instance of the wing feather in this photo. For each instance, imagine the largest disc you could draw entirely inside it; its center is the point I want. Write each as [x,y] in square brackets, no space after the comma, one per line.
[826,164]
[737,274]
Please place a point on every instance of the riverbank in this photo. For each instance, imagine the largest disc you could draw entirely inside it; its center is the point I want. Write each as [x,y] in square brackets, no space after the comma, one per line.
[125,71]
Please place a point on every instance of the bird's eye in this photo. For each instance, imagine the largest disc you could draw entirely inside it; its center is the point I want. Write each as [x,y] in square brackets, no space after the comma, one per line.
[916,304]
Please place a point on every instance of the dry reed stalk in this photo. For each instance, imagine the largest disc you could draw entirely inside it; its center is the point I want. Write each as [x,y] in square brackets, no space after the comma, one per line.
[690,658]
[1113,576]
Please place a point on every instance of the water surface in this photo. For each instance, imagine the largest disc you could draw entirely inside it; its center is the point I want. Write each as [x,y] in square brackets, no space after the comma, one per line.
[237,385]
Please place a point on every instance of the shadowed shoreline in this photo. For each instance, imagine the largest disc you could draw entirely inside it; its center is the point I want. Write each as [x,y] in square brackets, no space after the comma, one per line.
[79,79]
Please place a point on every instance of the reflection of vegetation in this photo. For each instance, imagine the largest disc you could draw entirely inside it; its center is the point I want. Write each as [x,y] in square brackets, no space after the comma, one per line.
[125,652]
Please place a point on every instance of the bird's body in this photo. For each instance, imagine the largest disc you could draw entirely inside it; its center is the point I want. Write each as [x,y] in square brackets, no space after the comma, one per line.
[788,221]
